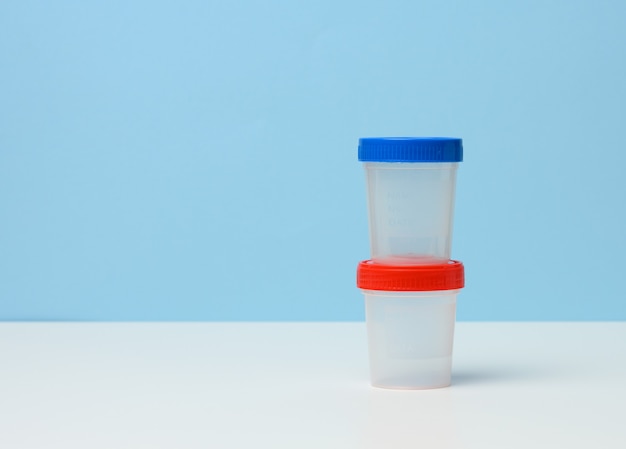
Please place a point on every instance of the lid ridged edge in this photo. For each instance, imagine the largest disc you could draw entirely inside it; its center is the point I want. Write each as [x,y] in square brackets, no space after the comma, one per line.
[410,149]
[447,276]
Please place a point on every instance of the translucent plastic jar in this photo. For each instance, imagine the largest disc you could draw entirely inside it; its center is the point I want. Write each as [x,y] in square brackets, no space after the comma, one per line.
[411,184]
[410,317]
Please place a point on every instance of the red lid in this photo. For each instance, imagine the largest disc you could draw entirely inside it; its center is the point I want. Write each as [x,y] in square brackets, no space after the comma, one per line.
[410,278]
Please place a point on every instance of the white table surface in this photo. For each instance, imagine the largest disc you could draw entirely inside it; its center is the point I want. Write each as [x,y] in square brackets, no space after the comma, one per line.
[304,385]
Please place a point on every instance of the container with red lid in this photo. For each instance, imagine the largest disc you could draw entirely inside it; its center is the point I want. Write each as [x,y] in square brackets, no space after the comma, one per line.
[410,317]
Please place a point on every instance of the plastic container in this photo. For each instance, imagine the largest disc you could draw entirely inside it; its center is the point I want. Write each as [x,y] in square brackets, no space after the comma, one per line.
[410,316]
[411,184]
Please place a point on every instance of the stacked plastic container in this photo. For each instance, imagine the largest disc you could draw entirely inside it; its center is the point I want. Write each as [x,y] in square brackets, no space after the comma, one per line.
[410,283]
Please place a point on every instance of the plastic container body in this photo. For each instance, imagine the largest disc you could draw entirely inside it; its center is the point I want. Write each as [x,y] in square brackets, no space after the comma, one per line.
[410,337]
[410,208]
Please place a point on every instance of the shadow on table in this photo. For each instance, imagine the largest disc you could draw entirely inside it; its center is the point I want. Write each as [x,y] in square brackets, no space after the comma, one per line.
[466,377]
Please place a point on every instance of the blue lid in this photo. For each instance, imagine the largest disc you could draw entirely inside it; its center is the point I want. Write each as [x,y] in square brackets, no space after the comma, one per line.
[410,149]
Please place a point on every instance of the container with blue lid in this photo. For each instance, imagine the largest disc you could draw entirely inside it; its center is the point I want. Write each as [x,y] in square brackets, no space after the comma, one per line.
[411,184]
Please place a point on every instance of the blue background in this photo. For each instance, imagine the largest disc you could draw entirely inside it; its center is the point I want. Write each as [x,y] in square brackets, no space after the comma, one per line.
[197,160]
